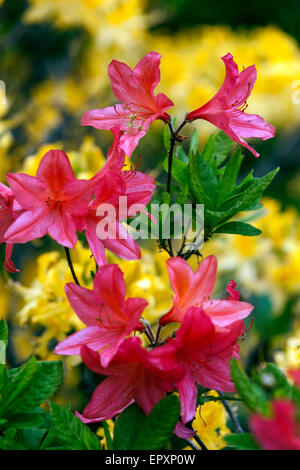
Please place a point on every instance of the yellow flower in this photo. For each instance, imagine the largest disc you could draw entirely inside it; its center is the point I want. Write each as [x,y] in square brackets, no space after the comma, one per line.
[45,304]
[267,264]
[210,424]
[100,433]
[44,301]
[86,161]
[289,357]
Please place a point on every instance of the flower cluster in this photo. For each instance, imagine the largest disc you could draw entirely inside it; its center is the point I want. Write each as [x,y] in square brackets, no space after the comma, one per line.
[202,333]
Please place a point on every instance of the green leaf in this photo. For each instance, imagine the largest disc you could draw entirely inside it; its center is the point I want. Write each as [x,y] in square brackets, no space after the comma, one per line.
[11,444]
[181,155]
[253,396]
[231,173]
[16,387]
[246,197]
[107,435]
[272,371]
[127,425]
[179,170]
[241,441]
[2,352]
[26,420]
[135,431]
[194,144]
[68,432]
[159,425]
[204,183]
[238,228]
[46,382]
[29,386]
[209,148]
[166,137]
[3,332]
[223,145]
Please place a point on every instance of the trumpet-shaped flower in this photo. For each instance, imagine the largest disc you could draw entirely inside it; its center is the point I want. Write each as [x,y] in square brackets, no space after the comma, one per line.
[139,106]
[8,214]
[226,110]
[51,201]
[204,352]
[132,376]
[195,288]
[108,316]
[112,186]
[278,432]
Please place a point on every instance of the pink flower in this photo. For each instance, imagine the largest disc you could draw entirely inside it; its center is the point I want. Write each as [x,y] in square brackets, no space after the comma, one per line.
[184,432]
[295,375]
[204,352]
[195,288]
[8,213]
[110,188]
[131,377]
[280,431]
[226,110]
[108,316]
[111,185]
[139,106]
[51,201]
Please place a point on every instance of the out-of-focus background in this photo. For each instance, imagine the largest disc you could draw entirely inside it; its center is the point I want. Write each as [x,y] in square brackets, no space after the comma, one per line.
[53,67]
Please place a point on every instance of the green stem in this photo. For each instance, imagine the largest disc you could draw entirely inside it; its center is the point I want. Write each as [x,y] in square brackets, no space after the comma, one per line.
[238,428]
[69,259]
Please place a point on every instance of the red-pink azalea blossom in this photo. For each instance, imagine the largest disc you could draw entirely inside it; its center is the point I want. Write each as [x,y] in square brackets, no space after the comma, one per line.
[51,201]
[195,288]
[139,106]
[131,377]
[281,430]
[183,431]
[205,353]
[226,110]
[8,214]
[111,185]
[108,315]
[232,291]
[295,375]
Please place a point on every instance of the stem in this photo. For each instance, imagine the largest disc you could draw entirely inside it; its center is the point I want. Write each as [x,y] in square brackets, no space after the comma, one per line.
[68,255]
[170,159]
[173,137]
[231,415]
[158,334]
[191,444]
[200,442]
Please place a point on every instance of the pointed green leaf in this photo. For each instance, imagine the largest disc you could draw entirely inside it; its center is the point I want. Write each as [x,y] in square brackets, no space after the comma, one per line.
[127,425]
[231,173]
[3,332]
[194,145]
[159,425]
[238,228]
[204,183]
[253,396]
[241,441]
[68,432]
[209,148]
[223,145]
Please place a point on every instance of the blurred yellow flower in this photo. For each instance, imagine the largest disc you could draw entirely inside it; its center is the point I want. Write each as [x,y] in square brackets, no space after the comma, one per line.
[100,433]
[210,424]
[86,161]
[45,304]
[269,263]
